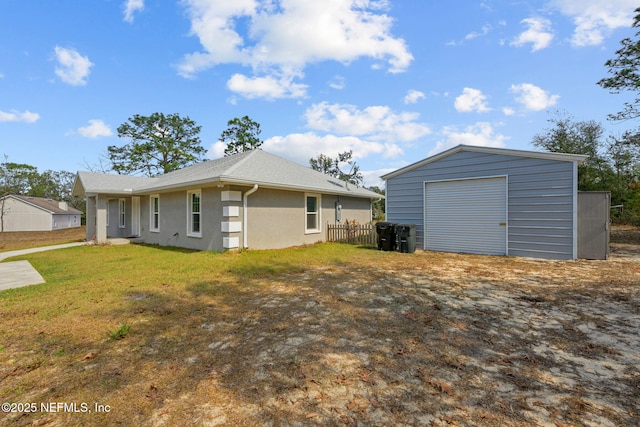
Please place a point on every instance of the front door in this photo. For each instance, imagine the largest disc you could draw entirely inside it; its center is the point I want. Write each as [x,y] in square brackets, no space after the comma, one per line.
[135,216]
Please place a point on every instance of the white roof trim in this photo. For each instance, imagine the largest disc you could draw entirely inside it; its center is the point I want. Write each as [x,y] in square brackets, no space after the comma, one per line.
[579,158]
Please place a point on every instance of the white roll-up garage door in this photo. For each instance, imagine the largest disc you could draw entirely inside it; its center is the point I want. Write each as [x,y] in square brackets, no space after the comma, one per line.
[468,215]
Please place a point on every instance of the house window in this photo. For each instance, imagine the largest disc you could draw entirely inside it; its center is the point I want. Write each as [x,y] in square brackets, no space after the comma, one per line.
[194,214]
[121,213]
[155,213]
[312,213]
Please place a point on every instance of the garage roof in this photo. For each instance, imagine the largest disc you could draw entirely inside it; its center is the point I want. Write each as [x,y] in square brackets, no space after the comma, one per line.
[489,150]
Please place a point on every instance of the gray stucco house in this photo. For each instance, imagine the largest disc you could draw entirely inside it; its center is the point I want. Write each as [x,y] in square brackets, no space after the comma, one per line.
[250,200]
[27,213]
[490,201]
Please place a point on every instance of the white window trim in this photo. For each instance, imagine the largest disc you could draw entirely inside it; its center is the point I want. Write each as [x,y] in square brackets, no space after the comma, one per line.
[189,214]
[122,213]
[318,228]
[153,213]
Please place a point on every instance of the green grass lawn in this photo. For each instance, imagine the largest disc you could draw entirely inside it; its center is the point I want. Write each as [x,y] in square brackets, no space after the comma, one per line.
[102,284]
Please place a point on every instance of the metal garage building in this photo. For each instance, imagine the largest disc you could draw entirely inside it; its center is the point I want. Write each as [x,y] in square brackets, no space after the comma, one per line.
[490,201]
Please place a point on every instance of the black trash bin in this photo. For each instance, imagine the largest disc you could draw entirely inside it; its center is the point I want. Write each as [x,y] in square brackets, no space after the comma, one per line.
[405,238]
[386,236]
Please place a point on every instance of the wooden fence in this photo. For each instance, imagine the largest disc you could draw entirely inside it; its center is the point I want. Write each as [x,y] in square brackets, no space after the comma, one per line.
[358,234]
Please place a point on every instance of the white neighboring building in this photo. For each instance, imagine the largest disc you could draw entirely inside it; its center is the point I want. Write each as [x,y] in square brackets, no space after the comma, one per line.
[26,213]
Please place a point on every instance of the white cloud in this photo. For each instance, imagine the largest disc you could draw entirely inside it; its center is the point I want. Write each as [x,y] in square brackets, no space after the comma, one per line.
[96,129]
[479,134]
[471,100]
[532,97]
[17,116]
[375,122]
[288,35]
[216,150]
[485,30]
[413,96]
[372,177]
[301,147]
[596,19]
[269,87]
[508,111]
[538,34]
[130,7]
[336,128]
[338,83]
[72,68]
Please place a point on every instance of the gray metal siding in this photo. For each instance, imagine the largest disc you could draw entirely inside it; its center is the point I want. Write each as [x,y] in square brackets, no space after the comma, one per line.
[540,199]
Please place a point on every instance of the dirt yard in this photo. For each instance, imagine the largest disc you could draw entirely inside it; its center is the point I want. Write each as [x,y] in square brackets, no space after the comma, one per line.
[625,234]
[20,240]
[432,339]
[625,241]
[424,339]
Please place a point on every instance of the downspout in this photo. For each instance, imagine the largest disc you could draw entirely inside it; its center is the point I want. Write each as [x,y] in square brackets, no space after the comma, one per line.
[245,245]
[575,210]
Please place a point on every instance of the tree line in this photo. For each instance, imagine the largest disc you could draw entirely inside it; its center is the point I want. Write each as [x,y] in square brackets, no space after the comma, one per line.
[613,162]
[26,180]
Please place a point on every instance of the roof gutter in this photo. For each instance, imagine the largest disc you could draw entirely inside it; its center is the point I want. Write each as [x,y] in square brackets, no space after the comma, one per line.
[245,245]
[280,186]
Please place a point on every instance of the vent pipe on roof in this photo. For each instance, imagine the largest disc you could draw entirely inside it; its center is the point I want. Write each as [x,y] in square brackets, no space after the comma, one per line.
[245,245]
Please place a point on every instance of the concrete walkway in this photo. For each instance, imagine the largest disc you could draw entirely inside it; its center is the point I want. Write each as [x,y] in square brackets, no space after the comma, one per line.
[11,254]
[18,273]
[21,273]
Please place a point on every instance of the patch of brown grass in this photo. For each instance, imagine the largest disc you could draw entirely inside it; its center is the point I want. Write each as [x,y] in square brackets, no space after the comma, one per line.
[13,240]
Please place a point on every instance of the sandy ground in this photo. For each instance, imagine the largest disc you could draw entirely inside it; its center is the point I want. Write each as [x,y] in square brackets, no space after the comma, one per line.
[435,339]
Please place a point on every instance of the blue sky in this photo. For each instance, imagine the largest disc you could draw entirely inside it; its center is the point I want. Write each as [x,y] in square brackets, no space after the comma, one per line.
[393,80]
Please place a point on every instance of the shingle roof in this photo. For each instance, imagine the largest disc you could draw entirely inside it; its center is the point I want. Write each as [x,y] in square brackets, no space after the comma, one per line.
[49,205]
[248,168]
[95,183]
